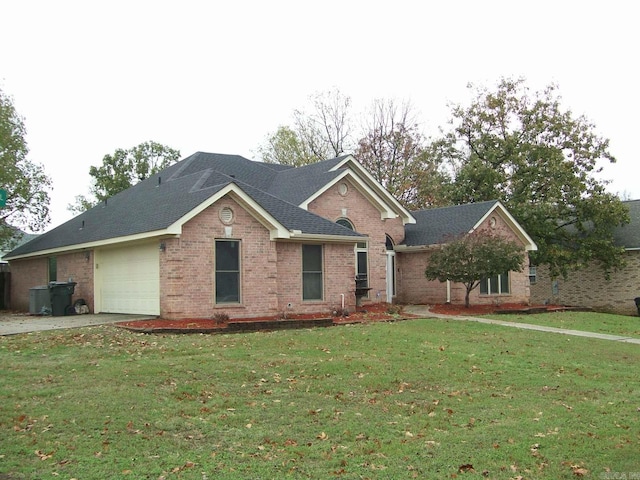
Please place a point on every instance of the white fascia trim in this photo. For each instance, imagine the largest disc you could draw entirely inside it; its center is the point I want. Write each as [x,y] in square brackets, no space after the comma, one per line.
[382,193]
[414,248]
[97,244]
[327,186]
[377,200]
[529,244]
[296,235]
[276,229]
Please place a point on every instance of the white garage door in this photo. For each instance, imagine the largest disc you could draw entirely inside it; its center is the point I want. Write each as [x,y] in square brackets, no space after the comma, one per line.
[129,279]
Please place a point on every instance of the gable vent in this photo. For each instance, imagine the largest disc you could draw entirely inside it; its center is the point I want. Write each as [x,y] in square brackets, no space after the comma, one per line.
[226,215]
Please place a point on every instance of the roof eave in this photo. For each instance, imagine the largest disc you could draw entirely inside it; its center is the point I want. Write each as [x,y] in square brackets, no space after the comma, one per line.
[415,248]
[165,233]
[297,235]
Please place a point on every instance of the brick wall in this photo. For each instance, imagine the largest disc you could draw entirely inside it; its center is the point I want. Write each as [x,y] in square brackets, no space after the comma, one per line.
[78,267]
[34,272]
[414,288]
[337,279]
[271,272]
[187,270]
[25,274]
[588,287]
[365,218]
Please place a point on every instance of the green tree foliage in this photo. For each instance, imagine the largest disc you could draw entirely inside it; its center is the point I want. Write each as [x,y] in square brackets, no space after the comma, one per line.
[286,147]
[25,182]
[542,163]
[123,169]
[470,258]
[394,151]
[317,134]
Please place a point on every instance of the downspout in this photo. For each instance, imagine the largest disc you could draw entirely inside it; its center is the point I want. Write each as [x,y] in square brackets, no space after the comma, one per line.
[448,291]
[342,300]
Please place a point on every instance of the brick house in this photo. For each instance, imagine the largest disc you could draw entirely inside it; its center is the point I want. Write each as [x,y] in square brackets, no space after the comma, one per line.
[588,286]
[221,233]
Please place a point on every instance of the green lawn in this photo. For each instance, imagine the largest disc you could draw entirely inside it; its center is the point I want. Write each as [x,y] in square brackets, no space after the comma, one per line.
[586,321]
[413,399]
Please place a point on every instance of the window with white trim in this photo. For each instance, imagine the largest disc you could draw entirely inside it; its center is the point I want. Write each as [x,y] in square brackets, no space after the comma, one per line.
[362,256]
[227,257]
[496,285]
[312,272]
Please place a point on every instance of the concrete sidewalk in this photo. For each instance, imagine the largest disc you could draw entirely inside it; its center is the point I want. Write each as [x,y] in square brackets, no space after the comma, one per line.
[423,311]
[23,323]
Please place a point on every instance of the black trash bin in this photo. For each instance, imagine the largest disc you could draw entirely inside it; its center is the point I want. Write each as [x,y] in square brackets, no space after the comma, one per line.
[637,300]
[60,294]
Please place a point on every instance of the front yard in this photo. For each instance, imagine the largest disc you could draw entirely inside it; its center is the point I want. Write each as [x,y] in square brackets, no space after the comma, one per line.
[413,399]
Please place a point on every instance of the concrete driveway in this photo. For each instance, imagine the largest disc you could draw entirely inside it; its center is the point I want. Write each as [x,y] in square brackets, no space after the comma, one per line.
[12,324]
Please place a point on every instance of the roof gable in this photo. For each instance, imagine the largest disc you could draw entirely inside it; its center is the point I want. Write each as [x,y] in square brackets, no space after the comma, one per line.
[439,225]
[302,185]
[162,203]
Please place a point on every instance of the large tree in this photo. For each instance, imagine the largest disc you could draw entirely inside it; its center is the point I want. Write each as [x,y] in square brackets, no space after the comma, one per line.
[318,133]
[542,162]
[123,169]
[25,182]
[470,258]
[394,151]
[287,147]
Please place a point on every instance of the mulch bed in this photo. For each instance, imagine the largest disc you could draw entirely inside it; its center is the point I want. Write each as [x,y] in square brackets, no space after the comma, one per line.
[506,308]
[379,312]
[368,313]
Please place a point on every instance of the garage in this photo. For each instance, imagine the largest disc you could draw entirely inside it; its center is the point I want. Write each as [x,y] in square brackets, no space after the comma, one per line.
[128,279]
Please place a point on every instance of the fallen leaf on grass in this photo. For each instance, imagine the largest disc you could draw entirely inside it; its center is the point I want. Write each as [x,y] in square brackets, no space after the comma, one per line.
[43,456]
[186,465]
[467,467]
[579,471]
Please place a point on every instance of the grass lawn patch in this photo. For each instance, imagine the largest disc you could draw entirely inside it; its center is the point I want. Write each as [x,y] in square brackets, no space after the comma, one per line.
[586,321]
[416,399]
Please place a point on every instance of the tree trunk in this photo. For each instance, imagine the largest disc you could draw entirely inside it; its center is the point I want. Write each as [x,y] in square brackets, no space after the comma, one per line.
[466,298]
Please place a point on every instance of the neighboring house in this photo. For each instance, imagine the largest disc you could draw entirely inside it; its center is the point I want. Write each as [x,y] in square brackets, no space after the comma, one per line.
[588,286]
[220,233]
[22,238]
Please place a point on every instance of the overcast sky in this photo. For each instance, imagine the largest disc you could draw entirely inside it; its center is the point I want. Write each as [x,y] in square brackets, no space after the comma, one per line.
[93,76]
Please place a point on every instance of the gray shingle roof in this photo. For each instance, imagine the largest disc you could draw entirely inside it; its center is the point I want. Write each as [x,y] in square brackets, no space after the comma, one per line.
[161,200]
[438,225]
[297,184]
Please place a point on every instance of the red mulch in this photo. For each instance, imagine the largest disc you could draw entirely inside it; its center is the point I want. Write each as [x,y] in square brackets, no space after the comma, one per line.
[367,313]
[448,309]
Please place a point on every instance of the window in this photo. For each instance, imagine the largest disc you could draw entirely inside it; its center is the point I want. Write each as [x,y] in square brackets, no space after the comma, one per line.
[227,271]
[53,269]
[496,285]
[312,272]
[362,256]
[533,276]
